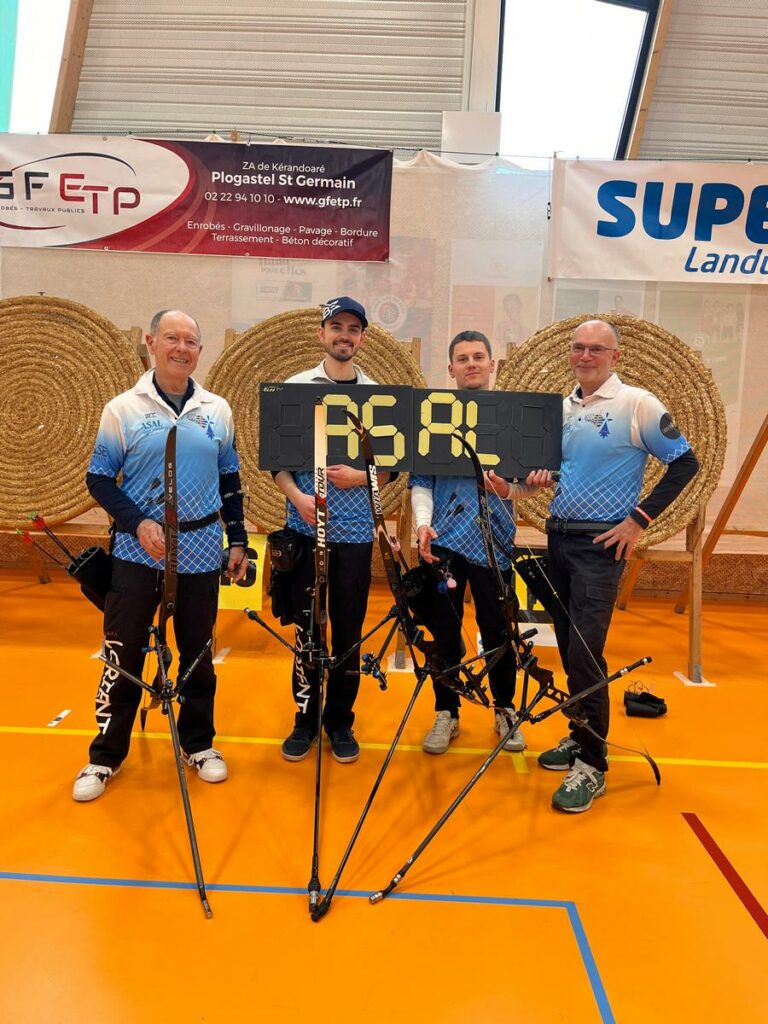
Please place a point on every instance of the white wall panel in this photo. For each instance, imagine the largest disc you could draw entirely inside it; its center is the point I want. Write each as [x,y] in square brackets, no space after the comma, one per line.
[368,72]
[711,96]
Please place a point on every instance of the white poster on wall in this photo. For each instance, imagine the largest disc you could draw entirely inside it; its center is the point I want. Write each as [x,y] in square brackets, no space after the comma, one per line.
[495,288]
[645,220]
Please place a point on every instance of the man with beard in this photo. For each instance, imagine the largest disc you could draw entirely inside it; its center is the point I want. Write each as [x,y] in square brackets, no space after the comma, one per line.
[350,543]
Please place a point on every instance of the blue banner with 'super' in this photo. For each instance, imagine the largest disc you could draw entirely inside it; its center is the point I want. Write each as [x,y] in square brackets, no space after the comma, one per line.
[651,221]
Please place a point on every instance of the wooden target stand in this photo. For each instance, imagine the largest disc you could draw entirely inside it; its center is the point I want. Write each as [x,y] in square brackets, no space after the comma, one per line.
[698,553]
[100,526]
[692,555]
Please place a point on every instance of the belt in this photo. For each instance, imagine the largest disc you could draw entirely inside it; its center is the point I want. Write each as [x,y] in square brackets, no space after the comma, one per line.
[198,524]
[583,526]
[192,524]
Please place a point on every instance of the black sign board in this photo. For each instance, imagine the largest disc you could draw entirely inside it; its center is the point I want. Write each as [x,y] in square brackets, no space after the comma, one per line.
[512,432]
[410,429]
[286,425]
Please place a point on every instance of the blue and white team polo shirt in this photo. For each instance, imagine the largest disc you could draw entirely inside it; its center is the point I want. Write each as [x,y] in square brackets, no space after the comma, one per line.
[131,440]
[607,438]
[455,513]
[349,508]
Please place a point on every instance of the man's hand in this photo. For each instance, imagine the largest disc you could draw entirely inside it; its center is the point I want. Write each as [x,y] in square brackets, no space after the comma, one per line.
[305,506]
[497,485]
[624,535]
[237,566]
[539,478]
[345,476]
[151,537]
[535,480]
[426,535]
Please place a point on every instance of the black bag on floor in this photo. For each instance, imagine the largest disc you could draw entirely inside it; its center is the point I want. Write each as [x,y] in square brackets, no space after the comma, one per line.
[644,705]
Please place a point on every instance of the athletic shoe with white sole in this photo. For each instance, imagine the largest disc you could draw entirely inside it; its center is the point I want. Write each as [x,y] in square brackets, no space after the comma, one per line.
[445,729]
[559,758]
[298,745]
[580,787]
[502,721]
[92,781]
[211,766]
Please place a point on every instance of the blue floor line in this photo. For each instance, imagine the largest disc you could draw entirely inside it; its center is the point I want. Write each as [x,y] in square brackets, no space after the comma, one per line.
[598,990]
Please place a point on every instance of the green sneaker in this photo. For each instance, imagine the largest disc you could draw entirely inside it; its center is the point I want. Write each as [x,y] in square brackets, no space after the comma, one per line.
[580,787]
[558,759]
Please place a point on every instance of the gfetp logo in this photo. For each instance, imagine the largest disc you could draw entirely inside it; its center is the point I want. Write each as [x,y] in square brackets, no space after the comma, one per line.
[61,190]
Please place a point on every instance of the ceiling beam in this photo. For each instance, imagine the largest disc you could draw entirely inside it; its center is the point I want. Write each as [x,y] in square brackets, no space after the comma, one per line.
[71,65]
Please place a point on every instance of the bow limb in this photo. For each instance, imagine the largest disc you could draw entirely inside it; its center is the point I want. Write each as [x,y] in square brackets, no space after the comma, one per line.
[391,566]
[508,602]
[171,531]
[321,527]
[170,572]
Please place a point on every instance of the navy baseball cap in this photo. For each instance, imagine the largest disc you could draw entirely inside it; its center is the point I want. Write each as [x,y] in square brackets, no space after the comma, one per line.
[344,305]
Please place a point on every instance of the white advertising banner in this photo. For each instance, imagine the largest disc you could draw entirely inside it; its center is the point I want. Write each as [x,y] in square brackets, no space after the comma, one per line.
[651,221]
[216,199]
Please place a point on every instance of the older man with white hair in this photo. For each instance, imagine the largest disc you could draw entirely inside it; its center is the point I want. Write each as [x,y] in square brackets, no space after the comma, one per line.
[131,443]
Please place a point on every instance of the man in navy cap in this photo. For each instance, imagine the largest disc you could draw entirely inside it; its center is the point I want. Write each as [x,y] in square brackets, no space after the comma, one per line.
[350,541]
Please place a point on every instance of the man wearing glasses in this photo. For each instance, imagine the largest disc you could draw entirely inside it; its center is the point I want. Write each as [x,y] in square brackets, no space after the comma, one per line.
[130,446]
[609,429]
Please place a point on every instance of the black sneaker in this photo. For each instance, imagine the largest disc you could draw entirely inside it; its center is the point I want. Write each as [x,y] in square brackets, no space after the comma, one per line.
[345,747]
[298,744]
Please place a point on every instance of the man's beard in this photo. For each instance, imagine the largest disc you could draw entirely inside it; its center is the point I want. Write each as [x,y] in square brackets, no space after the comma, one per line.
[343,356]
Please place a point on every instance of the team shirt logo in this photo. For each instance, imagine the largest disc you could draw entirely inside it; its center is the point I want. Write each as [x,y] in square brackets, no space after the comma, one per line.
[601,421]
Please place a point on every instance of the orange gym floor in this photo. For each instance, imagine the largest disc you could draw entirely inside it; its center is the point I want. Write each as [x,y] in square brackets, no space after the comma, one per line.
[650,907]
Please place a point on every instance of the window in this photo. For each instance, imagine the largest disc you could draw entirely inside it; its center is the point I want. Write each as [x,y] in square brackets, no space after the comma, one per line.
[570,72]
[26,99]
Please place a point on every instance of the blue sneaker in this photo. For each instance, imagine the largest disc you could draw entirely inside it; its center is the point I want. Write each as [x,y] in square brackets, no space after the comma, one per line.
[296,746]
[344,746]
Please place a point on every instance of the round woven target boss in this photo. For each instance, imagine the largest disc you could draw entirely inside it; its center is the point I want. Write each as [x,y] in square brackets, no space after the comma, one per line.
[274,350]
[60,363]
[653,359]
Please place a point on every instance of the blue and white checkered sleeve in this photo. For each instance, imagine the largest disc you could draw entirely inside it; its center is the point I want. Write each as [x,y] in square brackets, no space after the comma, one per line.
[109,450]
[657,430]
[417,480]
[228,460]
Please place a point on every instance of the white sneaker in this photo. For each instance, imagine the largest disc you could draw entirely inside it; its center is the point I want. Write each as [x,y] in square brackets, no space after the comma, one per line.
[211,766]
[92,781]
[501,724]
[442,732]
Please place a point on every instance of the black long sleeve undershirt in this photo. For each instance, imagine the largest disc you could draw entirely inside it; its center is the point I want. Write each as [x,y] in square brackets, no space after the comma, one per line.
[127,514]
[679,473]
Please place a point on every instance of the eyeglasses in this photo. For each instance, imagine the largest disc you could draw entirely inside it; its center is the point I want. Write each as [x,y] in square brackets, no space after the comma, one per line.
[593,350]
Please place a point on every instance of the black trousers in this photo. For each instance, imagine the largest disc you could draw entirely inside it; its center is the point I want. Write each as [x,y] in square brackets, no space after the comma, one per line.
[349,580]
[446,616]
[586,578]
[130,608]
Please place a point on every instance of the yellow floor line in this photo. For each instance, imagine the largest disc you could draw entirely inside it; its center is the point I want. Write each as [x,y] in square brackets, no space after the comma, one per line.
[518,759]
